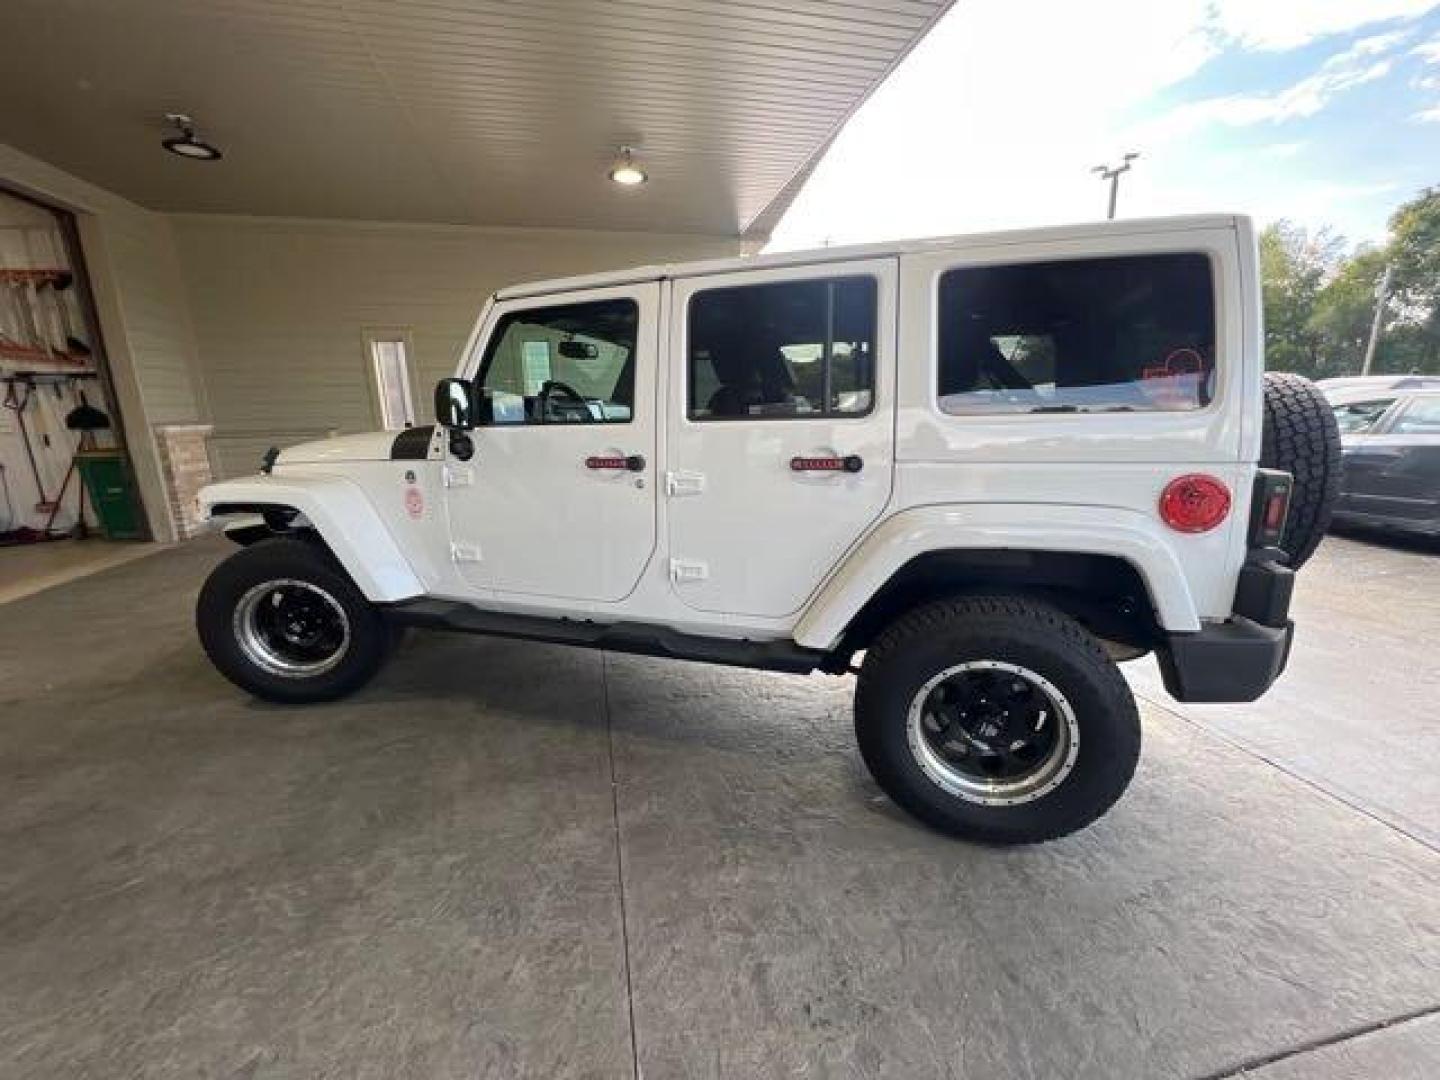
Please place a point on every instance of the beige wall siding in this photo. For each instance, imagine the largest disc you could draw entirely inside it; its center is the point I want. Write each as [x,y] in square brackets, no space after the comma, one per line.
[257,324]
[140,297]
[157,318]
[280,307]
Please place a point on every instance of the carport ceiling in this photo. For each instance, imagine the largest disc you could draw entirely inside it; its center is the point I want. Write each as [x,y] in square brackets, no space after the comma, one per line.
[491,112]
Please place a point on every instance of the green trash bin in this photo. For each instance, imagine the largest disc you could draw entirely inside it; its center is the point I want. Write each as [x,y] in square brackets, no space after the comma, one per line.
[106,476]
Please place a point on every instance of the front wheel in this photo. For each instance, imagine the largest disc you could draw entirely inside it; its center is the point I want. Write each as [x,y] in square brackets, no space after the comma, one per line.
[281,620]
[996,719]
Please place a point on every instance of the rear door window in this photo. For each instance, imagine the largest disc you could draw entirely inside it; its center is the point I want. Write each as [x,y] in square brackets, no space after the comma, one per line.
[1126,334]
[783,351]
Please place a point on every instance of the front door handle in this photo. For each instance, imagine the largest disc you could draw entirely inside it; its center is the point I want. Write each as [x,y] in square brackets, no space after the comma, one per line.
[630,462]
[851,463]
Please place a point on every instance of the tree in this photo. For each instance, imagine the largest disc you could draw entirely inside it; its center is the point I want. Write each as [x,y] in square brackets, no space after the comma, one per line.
[1411,341]
[1320,302]
[1294,265]
[1343,311]
[1415,253]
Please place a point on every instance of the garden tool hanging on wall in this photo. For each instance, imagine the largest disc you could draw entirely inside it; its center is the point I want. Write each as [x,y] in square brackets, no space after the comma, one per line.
[64,341]
[86,419]
[18,402]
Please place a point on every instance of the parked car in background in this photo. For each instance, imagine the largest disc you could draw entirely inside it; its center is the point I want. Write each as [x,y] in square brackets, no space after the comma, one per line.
[1390,436]
[1359,388]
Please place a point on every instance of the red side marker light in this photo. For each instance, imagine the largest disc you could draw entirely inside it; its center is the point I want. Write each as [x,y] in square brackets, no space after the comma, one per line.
[1275,509]
[1194,503]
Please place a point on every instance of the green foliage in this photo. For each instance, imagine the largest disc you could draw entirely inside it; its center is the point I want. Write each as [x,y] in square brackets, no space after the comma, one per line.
[1294,266]
[1415,252]
[1320,301]
[1344,309]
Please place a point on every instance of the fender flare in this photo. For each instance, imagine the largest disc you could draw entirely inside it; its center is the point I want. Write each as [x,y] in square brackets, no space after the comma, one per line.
[922,530]
[342,515]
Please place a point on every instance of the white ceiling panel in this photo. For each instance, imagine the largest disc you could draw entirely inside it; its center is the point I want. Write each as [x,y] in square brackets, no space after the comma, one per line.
[490,112]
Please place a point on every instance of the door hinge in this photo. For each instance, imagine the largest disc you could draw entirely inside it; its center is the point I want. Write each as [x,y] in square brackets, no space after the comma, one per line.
[455,476]
[683,570]
[464,552]
[680,482]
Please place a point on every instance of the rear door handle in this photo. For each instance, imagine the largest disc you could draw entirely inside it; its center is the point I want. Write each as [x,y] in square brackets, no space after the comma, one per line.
[631,462]
[850,463]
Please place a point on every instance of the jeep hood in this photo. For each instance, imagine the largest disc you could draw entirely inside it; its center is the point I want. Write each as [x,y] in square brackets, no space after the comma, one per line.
[370,446]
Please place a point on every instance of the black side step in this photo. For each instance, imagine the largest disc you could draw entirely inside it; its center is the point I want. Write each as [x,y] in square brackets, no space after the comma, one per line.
[625,637]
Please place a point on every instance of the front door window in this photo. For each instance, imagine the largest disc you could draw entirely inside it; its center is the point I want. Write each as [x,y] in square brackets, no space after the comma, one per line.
[572,364]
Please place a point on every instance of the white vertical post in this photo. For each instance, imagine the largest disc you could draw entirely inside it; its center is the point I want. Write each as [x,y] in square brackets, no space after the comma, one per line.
[1382,294]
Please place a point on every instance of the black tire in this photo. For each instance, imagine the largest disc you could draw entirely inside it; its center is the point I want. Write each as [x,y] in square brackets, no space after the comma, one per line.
[369,635]
[1301,437]
[932,639]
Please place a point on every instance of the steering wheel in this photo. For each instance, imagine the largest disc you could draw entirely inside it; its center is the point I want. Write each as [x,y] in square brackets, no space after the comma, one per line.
[570,403]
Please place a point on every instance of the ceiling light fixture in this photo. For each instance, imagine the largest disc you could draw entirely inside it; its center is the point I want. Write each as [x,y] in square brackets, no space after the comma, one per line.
[185,144]
[626,173]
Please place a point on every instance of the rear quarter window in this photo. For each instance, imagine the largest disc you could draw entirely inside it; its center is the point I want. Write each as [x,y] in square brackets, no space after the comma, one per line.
[1123,334]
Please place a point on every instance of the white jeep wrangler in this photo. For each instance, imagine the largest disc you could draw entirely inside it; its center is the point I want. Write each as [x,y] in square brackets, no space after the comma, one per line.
[993,465]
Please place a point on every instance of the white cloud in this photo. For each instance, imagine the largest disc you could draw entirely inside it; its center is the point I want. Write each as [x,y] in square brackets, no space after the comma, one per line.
[1288,24]
[1305,98]
[1378,44]
[1429,51]
[1363,62]
[998,116]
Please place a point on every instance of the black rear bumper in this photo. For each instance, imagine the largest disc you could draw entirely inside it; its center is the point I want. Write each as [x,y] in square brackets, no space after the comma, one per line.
[1238,659]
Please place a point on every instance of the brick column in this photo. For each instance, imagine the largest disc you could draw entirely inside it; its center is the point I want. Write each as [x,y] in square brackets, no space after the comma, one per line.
[185,468]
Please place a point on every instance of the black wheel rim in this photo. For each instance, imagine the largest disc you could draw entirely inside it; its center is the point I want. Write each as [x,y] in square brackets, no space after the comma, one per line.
[993,732]
[291,628]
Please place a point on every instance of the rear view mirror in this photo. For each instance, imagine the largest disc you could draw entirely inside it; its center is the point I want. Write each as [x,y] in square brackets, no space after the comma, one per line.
[578,350]
[456,406]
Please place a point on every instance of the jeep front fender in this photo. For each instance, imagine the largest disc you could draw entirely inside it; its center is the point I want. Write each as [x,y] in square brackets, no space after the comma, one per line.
[340,513]
[1016,526]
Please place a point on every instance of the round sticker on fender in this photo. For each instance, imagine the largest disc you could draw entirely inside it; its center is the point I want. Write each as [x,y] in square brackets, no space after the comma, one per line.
[414,502]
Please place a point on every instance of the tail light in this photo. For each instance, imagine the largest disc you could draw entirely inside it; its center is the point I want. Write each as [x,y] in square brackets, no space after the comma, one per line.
[1194,503]
[1269,507]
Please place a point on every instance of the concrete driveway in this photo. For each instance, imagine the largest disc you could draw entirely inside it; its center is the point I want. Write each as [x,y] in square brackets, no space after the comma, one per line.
[508,860]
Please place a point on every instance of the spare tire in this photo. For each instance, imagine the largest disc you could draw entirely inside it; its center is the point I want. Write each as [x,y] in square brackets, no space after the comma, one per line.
[1301,437]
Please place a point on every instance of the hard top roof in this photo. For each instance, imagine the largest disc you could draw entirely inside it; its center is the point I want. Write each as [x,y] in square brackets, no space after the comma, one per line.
[895,248]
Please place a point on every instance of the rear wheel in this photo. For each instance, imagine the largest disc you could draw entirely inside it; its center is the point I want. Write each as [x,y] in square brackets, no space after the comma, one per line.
[281,620]
[996,719]
[1301,437]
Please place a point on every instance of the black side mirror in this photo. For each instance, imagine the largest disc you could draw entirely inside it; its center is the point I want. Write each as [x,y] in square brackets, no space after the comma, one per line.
[456,404]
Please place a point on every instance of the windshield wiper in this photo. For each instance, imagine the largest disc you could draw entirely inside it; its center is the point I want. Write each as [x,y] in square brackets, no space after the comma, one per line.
[1056,408]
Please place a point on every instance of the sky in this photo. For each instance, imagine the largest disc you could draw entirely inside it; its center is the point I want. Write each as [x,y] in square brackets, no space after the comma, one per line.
[1325,112]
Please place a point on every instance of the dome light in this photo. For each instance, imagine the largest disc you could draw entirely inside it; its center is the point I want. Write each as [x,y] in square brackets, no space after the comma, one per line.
[185,144]
[626,173]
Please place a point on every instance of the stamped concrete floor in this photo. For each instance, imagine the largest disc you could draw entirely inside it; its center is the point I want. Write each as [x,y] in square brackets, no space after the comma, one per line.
[512,860]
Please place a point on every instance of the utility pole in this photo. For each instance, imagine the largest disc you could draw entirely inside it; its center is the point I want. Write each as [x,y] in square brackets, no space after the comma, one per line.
[1382,294]
[1113,175]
